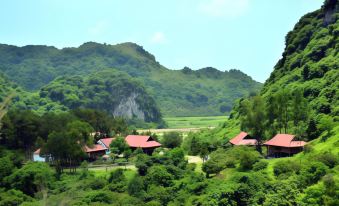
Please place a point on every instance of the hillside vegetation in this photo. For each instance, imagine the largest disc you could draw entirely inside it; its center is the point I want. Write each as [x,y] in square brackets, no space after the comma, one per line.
[185,92]
[109,90]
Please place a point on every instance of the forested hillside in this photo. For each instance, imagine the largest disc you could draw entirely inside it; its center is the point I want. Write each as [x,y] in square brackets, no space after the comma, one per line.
[177,92]
[311,60]
[110,91]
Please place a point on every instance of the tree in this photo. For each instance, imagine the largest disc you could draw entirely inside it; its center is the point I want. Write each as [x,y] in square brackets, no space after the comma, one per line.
[81,132]
[64,149]
[326,123]
[212,167]
[6,168]
[142,162]
[136,187]
[31,178]
[20,130]
[254,119]
[283,100]
[172,139]
[119,146]
[117,180]
[158,175]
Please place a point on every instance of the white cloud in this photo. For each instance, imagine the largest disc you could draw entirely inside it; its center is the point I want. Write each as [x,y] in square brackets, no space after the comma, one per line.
[158,38]
[99,28]
[223,8]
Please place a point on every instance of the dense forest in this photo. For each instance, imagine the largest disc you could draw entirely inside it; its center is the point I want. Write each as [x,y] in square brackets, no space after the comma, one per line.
[183,92]
[111,91]
[299,98]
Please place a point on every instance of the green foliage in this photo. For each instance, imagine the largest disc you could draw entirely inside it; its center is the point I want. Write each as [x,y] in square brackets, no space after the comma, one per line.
[261,165]
[119,146]
[31,178]
[185,92]
[6,168]
[13,197]
[172,139]
[158,175]
[286,168]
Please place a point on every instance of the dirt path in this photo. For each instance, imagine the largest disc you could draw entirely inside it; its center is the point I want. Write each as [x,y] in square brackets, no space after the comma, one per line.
[111,167]
[174,130]
[193,159]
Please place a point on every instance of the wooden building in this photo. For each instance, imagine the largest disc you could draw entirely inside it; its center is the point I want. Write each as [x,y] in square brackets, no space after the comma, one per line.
[243,139]
[283,145]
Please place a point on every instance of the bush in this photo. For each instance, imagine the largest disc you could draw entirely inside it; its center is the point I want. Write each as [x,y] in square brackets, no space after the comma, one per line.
[172,139]
[261,165]
[96,183]
[328,158]
[285,168]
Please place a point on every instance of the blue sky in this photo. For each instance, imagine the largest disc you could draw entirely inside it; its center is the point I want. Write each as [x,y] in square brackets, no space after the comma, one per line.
[245,34]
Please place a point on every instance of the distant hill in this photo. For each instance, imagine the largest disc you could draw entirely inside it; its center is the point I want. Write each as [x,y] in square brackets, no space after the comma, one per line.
[185,92]
[108,90]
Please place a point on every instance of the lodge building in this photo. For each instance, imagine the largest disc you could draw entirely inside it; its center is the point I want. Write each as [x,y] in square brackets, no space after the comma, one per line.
[102,148]
[281,145]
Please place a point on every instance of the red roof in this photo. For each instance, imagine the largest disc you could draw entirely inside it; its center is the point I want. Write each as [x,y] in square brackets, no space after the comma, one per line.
[94,148]
[240,140]
[107,141]
[284,140]
[141,141]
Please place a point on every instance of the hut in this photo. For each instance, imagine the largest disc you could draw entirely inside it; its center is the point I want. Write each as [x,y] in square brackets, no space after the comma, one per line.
[243,138]
[283,145]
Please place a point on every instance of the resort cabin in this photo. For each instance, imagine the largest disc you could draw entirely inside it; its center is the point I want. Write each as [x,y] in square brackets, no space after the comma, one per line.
[282,145]
[95,151]
[105,142]
[243,139]
[146,143]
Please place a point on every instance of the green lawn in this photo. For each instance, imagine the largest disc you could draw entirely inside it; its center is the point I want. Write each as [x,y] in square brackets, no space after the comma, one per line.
[194,122]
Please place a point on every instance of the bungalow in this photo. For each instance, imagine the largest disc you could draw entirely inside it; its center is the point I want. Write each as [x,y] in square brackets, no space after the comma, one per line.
[105,142]
[282,145]
[95,151]
[146,143]
[243,139]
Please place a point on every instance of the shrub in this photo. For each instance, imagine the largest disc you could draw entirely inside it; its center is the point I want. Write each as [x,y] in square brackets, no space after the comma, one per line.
[261,165]
[285,168]
[328,158]
[172,139]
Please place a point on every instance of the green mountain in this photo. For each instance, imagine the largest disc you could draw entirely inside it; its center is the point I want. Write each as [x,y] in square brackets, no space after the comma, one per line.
[108,90]
[311,60]
[183,92]
[309,63]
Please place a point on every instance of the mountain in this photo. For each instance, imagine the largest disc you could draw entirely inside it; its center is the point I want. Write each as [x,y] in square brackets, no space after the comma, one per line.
[108,90]
[310,60]
[309,63]
[185,92]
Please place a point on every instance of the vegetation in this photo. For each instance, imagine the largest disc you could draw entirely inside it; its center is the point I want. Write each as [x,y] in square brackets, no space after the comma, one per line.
[185,92]
[230,175]
[194,122]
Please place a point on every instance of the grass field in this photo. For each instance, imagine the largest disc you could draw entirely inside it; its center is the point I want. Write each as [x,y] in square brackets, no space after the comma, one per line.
[194,122]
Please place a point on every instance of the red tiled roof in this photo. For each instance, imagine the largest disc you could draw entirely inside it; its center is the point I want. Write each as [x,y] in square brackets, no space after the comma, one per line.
[240,140]
[284,140]
[141,141]
[94,148]
[107,141]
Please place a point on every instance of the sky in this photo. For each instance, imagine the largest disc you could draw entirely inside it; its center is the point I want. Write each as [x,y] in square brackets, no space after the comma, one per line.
[226,34]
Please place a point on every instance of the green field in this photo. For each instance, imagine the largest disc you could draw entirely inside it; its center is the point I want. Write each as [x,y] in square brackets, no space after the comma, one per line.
[194,122]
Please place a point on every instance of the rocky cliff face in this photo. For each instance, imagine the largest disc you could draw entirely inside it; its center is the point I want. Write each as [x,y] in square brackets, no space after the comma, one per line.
[110,91]
[129,108]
